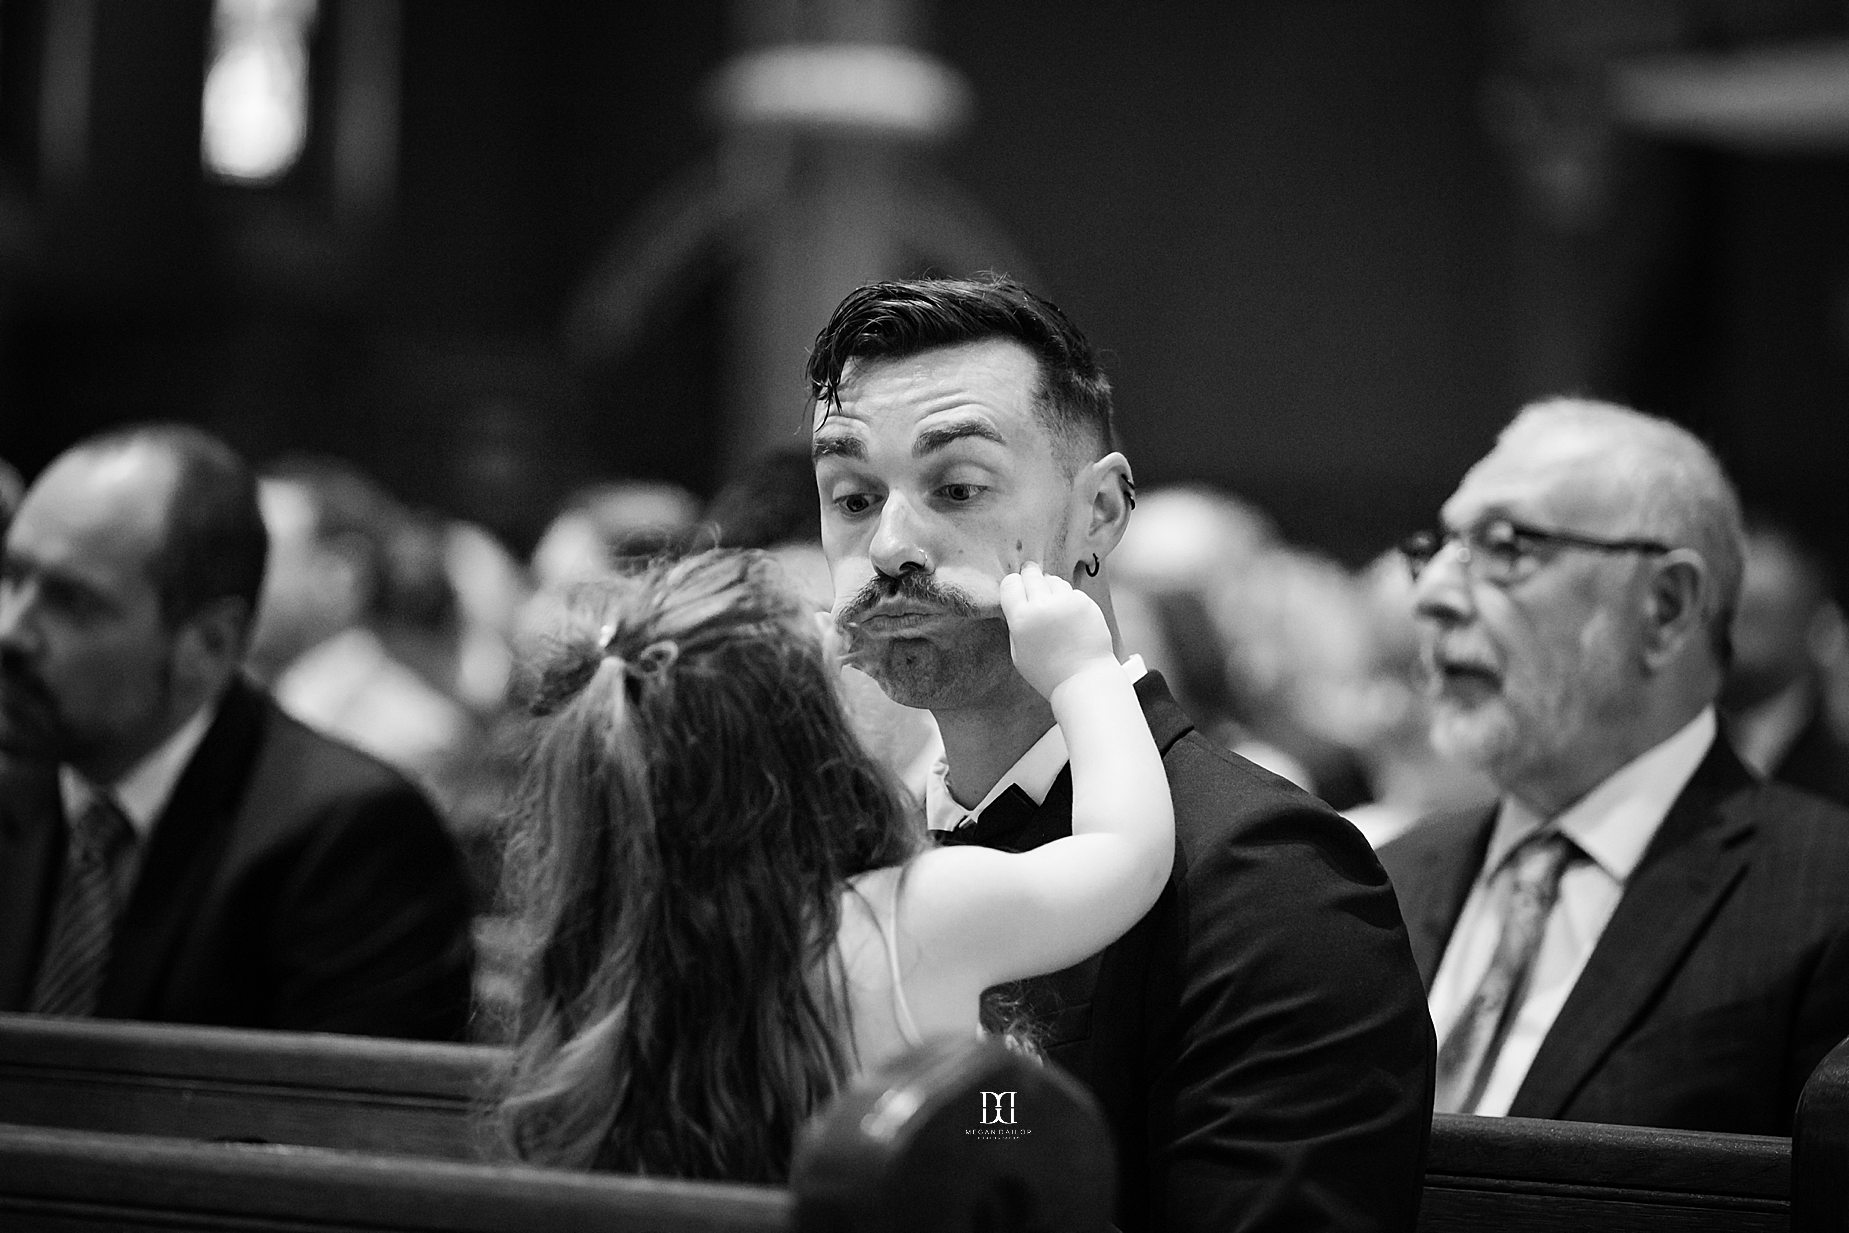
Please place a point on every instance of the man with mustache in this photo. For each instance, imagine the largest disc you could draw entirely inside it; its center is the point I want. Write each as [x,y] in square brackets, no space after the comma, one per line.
[1640,932]
[172,847]
[1258,1041]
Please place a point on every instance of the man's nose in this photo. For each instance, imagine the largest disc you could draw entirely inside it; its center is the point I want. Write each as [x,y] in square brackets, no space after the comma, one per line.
[13,611]
[899,545]
[1442,591]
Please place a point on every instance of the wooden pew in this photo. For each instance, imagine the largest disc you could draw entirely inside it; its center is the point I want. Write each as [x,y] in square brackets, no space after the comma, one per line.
[1522,1175]
[405,1098]
[1518,1175]
[217,1083]
[1820,1149]
[894,1153]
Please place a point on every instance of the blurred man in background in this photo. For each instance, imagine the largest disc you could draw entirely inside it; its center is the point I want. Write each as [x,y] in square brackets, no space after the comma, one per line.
[1640,932]
[172,846]
[1788,638]
[358,622]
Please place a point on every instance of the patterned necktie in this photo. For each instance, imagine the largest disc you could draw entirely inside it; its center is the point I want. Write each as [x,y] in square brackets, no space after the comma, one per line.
[83,922]
[1467,1056]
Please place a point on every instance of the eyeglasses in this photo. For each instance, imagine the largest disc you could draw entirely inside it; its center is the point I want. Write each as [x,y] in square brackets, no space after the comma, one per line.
[1505,551]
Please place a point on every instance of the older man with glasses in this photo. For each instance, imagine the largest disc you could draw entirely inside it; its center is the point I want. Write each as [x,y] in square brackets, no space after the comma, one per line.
[1641,931]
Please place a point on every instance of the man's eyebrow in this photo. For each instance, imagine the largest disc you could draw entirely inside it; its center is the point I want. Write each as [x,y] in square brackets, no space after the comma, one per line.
[937,438]
[837,445]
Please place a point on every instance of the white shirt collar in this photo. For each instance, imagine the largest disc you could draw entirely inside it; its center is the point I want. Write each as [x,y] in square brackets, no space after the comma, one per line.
[144,791]
[1033,773]
[1614,823]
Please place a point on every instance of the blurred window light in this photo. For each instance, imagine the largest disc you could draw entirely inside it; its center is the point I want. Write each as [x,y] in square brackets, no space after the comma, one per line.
[255,109]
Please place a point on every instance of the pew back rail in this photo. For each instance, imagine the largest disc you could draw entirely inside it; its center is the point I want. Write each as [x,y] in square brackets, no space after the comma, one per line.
[271,1087]
[890,1154]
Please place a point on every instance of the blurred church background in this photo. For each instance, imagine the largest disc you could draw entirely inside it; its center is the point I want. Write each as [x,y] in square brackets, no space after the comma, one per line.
[492,251]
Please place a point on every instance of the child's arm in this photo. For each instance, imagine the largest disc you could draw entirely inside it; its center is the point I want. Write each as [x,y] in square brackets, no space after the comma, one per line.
[993,916]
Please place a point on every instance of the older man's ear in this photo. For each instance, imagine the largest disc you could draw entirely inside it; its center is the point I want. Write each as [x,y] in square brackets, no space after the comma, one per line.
[1677,606]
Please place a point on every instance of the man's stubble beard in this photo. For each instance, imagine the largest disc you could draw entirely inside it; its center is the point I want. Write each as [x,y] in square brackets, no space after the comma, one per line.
[942,674]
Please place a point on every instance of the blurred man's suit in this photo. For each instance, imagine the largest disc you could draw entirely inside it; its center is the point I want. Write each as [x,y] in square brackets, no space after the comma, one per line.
[290,882]
[1732,932]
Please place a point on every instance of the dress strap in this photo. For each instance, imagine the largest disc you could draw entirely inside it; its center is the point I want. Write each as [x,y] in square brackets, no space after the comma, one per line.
[901,1009]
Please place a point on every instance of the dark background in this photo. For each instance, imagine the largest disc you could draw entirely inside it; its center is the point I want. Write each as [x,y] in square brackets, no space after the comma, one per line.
[1328,246]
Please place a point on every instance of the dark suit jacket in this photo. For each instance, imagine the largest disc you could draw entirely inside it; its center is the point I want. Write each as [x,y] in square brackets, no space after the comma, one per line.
[1259,1041]
[291,882]
[1818,761]
[1722,979]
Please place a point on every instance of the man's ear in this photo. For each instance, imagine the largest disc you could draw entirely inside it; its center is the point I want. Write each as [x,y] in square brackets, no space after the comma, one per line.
[210,645]
[1676,605]
[1103,495]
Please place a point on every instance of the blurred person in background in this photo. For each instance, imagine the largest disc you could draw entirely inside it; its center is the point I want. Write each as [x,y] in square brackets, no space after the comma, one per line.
[1290,626]
[1186,546]
[769,503]
[600,530]
[172,845]
[1378,709]
[602,527]
[491,586]
[1788,638]
[357,629]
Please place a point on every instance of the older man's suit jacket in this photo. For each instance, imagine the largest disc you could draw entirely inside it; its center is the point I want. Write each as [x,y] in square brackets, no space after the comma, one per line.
[1722,979]
[1259,1041]
[291,882]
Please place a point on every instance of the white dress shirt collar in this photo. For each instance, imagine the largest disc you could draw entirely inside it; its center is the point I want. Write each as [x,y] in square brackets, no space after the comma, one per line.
[144,791]
[1614,823]
[1033,773]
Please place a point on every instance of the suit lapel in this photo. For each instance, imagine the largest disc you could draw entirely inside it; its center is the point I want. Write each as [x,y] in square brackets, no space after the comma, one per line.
[183,854]
[32,835]
[1449,852]
[1697,856]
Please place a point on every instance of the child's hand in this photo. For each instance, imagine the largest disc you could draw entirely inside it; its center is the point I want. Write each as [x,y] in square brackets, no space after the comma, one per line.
[834,647]
[1054,631]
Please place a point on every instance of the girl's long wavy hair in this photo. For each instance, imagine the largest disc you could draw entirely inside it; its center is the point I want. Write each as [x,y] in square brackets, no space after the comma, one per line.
[693,803]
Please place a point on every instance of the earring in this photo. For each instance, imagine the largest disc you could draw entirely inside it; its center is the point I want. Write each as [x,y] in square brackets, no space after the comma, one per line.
[1091,571]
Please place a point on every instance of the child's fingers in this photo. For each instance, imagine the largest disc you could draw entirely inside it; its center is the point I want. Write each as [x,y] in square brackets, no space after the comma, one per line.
[1013,596]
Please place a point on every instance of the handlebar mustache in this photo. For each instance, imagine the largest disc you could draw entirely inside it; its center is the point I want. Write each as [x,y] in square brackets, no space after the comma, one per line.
[918,588]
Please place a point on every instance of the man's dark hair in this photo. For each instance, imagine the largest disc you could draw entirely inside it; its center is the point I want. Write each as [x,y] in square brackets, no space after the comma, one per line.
[214,545]
[893,320]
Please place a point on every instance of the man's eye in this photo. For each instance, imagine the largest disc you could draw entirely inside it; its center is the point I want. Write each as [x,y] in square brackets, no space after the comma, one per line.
[854,503]
[1503,542]
[960,492]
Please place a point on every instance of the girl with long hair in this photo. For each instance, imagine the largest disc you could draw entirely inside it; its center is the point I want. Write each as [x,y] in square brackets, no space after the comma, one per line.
[733,909]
